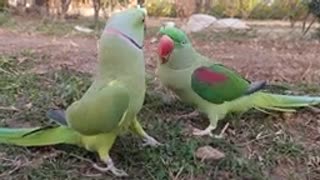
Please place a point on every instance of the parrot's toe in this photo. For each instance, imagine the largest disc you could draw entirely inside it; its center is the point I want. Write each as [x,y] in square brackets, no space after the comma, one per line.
[110,167]
[118,172]
[220,136]
[113,169]
[206,132]
[198,132]
[150,141]
[99,168]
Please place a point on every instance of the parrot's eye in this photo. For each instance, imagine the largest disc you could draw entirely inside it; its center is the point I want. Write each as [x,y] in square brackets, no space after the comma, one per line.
[143,20]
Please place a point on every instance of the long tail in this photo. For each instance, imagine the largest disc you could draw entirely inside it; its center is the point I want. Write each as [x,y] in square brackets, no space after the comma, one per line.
[268,101]
[39,136]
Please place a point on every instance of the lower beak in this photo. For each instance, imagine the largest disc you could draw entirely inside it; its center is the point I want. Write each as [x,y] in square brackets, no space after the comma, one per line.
[164,59]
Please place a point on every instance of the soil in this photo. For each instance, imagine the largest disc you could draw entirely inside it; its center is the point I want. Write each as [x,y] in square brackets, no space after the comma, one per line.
[256,58]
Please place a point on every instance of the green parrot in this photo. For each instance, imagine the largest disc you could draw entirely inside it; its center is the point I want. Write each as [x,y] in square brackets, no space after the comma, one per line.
[211,87]
[111,104]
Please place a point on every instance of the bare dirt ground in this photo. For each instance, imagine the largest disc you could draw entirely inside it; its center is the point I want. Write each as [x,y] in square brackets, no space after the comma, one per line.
[76,52]
[273,59]
[256,58]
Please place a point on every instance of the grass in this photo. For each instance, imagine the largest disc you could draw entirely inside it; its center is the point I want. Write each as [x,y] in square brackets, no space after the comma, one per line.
[33,94]
[62,88]
[6,20]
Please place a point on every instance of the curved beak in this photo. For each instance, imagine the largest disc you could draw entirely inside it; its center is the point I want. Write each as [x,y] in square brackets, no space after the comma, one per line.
[165,48]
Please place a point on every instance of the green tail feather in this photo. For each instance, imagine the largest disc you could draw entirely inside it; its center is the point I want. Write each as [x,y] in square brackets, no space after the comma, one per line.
[39,136]
[261,100]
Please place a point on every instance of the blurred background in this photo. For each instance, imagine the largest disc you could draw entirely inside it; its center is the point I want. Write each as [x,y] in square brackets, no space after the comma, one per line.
[287,10]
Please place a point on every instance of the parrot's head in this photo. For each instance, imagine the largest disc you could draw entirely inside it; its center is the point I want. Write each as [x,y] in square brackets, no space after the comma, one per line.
[129,24]
[172,39]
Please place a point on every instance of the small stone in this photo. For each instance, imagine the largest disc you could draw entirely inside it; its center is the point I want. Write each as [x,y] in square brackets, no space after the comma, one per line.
[198,22]
[29,105]
[229,23]
[209,153]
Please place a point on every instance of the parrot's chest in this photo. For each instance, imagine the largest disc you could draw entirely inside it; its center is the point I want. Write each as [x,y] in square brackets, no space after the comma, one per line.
[129,69]
[137,90]
[179,82]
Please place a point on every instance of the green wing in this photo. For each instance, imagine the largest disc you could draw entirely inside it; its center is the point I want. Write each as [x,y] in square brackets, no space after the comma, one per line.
[99,112]
[218,84]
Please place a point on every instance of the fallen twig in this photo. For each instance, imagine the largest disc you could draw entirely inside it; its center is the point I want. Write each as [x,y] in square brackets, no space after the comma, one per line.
[260,137]
[224,129]
[10,108]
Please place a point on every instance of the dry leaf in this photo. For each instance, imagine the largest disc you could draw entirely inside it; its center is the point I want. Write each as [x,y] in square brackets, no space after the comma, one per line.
[153,40]
[210,153]
[22,59]
[314,162]
[287,115]
[314,109]
[28,106]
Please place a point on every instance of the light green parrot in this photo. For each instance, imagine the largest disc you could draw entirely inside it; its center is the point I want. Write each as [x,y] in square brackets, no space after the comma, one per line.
[212,87]
[111,104]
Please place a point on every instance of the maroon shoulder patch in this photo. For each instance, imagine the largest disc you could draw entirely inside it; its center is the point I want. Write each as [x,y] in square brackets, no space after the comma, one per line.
[205,74]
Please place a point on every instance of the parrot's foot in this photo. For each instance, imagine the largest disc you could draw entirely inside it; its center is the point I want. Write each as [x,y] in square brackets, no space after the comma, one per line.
[199,132]
[110,167]
[207,131]
[150,141]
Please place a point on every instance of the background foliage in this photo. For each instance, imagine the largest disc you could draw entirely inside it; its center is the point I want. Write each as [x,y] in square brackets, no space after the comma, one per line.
[255,9]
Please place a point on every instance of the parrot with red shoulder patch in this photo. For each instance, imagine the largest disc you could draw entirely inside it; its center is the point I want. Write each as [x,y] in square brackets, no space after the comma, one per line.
[213,88]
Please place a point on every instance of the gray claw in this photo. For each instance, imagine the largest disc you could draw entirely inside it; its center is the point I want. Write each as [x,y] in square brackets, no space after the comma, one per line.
[110,167]
[150,141]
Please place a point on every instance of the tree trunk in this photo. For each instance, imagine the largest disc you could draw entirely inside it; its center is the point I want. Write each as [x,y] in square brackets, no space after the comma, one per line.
[64,7]
[185,8]
[203,6]
[96,6]
[3,4]
[21,6]
[110,7]
[40,7]
[140,2]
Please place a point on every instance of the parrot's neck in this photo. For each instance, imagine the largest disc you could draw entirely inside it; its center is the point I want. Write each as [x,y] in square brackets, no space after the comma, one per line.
[119,58]
[182,58]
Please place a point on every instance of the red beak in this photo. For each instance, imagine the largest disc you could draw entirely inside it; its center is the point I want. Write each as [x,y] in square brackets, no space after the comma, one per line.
[165,48]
